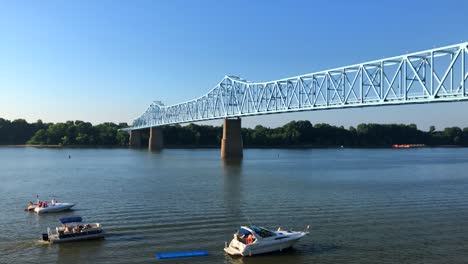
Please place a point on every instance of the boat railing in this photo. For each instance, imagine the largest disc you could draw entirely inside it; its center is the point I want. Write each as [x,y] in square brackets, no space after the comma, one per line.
[90,231]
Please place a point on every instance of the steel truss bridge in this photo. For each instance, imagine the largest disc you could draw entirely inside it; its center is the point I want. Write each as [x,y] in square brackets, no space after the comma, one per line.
[436,75]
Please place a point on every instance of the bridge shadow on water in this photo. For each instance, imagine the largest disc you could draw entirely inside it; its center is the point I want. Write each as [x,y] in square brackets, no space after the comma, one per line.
[233,191]
[232,167]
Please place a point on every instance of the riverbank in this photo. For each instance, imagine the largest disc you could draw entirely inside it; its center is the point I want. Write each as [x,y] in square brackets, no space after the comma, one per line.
[295,134]
[65,146]
[218,146]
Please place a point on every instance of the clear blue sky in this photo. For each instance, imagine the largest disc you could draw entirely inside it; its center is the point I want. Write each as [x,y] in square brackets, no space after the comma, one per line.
[108,60]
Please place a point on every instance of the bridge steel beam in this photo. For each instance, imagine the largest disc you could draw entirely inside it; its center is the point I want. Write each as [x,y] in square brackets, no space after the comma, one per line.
[156,140]
[436,75]
[231,144]
[135,139]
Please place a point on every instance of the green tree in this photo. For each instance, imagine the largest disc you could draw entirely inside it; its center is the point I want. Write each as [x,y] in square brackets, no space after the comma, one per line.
[122,138]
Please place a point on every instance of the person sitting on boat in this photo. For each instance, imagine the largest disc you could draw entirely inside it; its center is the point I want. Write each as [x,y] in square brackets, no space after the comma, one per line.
[249,239]
[65,228]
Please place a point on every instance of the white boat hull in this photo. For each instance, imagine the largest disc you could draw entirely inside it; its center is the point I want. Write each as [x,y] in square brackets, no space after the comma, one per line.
[54,208]
[238,248]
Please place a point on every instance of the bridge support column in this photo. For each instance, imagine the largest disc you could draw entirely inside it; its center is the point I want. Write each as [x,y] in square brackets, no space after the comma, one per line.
[135,139]
[231,144]
[156,141]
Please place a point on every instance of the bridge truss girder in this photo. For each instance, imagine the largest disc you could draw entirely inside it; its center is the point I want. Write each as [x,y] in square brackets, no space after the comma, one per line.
[435,75]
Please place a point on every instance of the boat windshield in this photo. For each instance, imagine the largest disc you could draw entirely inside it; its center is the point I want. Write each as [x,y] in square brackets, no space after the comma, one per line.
[262,232]
[243,231]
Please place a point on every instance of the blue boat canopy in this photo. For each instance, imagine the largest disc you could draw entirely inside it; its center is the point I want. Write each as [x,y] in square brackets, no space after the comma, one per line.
[244,231]
[71,219]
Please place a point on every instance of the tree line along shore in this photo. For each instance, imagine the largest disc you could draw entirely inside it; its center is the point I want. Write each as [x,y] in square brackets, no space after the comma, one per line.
[292,134]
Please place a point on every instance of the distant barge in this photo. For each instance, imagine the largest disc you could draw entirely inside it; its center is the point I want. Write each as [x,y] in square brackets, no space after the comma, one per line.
[408,145]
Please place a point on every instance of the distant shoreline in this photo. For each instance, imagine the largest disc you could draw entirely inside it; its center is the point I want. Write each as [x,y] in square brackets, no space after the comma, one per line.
[218,146]
[63,146]
[301,134]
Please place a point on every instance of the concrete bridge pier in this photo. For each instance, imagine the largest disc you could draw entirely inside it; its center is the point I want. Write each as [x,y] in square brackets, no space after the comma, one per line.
[135,139]
[156,140]
[231,144]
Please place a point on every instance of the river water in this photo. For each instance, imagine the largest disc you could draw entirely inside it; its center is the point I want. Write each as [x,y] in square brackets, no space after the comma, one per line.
[363,205]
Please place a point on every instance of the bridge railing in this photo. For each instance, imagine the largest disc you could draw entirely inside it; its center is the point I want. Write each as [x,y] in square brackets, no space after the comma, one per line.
[434,75]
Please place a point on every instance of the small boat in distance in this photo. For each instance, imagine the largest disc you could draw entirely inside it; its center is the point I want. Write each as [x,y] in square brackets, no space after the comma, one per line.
[53,206]
[408,146]
[252,240]
[74,232]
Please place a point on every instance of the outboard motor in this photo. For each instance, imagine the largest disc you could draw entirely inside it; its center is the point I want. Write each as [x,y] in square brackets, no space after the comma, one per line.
[45,237]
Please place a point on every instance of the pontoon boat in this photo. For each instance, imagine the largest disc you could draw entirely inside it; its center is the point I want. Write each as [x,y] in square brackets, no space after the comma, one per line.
[73,232]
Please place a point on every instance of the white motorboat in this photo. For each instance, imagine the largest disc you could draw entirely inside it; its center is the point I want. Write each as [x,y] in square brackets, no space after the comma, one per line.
[45,207]
[252,240]
[74,232]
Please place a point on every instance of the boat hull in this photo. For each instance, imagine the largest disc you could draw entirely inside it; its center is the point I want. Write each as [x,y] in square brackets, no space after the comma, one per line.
[54,208]
[56,240]
[240,249]
[30,208]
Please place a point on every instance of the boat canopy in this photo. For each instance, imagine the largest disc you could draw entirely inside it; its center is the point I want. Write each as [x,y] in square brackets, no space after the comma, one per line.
[71,219]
